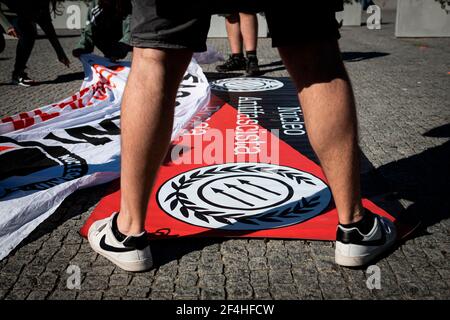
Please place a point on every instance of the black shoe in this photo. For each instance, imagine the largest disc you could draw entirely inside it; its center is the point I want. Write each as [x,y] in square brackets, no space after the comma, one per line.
[252,68]
[234,63]
[23,80]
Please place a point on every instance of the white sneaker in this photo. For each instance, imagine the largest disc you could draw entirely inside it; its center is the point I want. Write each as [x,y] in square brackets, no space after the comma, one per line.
[354,249]
[131,254]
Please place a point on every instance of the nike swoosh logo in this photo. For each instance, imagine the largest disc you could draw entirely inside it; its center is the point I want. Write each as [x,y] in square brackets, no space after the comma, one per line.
[107,247]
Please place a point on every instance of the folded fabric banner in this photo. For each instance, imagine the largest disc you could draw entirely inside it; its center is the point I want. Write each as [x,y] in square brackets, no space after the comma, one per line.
[49,153]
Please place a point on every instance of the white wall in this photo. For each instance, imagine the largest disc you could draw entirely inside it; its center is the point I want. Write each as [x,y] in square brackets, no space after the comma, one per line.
[422,18]
[217,28]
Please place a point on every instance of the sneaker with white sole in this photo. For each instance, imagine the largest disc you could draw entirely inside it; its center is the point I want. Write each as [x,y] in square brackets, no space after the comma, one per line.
[355,249]
[131,254]
[23,80]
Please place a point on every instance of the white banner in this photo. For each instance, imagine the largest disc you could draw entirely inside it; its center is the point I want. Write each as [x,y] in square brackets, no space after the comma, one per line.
[49,153]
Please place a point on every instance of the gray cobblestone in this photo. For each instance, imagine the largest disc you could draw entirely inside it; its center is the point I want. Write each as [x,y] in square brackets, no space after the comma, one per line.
[161,295]
[239,290]
[115,292]
[7,280]
[89,295]
[119,280]
[212,280]
[163,284]
[143,281]
[38,295]
[95,283]
[213,293]
[138,292]
[19,294]
[63,295]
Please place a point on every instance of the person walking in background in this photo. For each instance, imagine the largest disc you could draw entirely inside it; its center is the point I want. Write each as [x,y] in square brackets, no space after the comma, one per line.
[366,4]
[108,29]
[29,14]
[242,31]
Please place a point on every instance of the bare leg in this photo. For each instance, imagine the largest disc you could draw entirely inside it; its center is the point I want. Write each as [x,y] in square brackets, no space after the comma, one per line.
[232,25]
[146,126]
[249,30]
[328,104]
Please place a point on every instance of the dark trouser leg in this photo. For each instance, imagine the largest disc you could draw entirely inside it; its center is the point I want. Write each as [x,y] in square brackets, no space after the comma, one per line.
[27,37]
[2,41]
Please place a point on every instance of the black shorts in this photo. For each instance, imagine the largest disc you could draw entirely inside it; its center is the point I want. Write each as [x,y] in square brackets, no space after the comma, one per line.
[185,25]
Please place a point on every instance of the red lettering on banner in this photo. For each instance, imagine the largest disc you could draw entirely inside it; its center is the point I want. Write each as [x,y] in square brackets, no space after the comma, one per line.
[20,124]
[47,116]
[99,90]
[80,103]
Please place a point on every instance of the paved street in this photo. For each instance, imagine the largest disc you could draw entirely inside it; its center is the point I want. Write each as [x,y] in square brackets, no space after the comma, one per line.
[402,90]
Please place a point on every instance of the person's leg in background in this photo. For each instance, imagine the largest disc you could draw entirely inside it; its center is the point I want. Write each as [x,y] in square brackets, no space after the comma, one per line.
[249,32]
[2,40]
[314,62]
[236,61]
[233,27]
[27,36]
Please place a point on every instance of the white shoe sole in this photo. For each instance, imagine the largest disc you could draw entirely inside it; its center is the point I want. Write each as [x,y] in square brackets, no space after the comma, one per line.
[21,84]
[133,266]
[359,261]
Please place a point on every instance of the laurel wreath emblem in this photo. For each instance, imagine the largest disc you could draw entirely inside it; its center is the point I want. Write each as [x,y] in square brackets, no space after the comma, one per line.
[188,208]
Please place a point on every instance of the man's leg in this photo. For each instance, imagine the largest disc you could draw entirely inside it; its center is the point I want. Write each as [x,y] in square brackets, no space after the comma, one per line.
[232,24]
[328,105]
[249,30]
[27,37]
[236,61]
[163,49]
[326,96]
[146,127]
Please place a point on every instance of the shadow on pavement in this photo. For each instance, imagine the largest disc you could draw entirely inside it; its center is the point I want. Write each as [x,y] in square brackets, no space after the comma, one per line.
[68,77]
[354,56]
[73,206]
[211,76]
[422,179]
[64,78]
[272,64]
[350,56]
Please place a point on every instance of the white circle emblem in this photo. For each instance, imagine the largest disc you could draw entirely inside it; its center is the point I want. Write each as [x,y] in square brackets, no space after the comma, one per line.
[246,84]
[244,196]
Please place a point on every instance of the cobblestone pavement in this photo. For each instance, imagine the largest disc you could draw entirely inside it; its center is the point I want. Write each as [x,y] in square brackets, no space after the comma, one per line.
[402,89]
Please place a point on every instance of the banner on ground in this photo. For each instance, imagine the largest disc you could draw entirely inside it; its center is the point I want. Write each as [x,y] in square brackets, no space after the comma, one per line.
[246,170]
[49,153]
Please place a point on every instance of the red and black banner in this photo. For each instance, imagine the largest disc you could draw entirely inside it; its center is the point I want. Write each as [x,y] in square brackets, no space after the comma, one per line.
[244,169]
